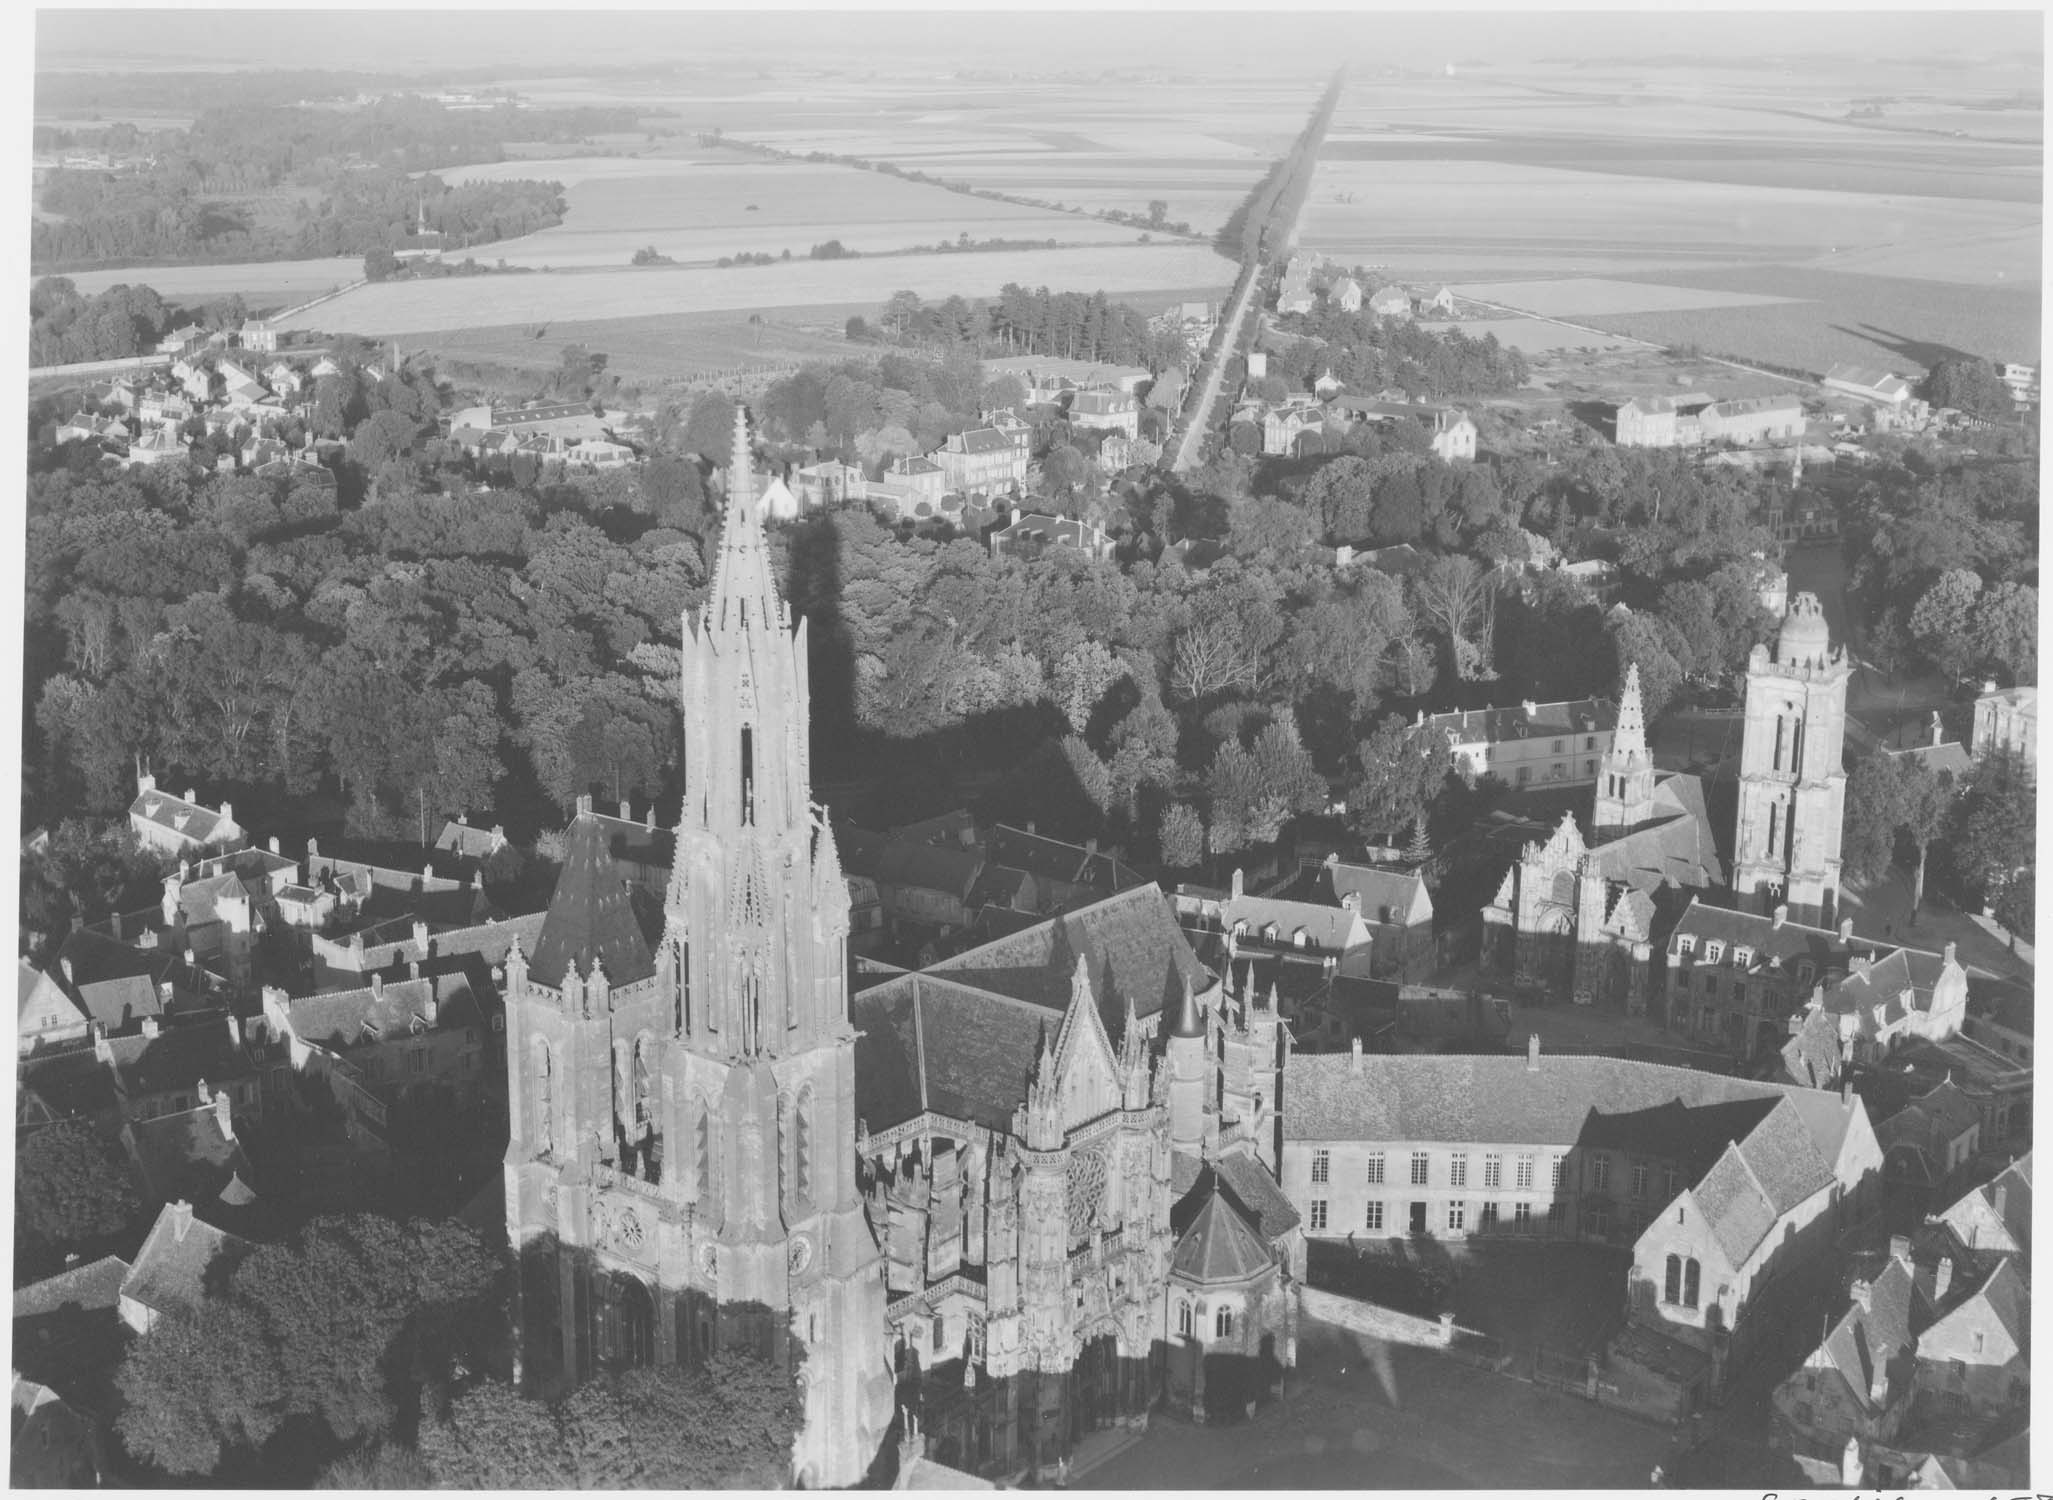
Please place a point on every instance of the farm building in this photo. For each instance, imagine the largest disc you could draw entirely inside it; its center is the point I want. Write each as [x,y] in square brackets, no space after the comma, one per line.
[1687,421]
[1391,302]
[1876,387]
[1441,301]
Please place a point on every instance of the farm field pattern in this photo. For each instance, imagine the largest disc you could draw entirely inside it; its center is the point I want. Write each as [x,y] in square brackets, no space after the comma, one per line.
[1679,205]
[396,307]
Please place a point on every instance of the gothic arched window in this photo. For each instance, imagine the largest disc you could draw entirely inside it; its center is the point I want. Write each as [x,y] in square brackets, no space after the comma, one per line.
[802,1147]
[1671,1288]
[702,1149]
[644,1083]
[1692,1281]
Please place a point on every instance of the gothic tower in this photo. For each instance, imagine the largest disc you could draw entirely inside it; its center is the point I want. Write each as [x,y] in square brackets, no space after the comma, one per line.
[682,1081]
[1625,782]
[1792,779]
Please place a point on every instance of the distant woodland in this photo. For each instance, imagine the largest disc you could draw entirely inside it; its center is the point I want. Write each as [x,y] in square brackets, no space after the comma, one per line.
[273,181]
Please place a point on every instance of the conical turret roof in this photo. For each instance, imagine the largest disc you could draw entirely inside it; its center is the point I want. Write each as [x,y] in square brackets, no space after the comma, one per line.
[1630,738]
[1220,1245]
[591,917]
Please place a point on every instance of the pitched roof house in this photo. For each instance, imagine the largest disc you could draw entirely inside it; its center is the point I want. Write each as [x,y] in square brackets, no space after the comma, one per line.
[182,1259]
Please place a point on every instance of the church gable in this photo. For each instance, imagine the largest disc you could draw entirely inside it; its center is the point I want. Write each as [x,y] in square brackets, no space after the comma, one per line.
[1085,1069]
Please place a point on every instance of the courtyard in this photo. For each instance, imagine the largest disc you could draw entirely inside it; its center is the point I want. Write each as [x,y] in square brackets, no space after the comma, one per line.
[1395,1418]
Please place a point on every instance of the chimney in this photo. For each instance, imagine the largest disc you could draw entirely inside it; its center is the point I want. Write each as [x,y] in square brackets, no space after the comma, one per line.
[65,965]
[1899,1248]
[413,968]
[274,843]
[1354,1063]
[1030,825]
[1878,1388]
[377,986]
[463,820]
[1781,913]
[1532,1052]
[228,812]
[223,1116]
[145,782]
[1239,883]
[420,936]
[625,814]
[1949,953]
[313,847]
[1937,728]
[1863,1293]
[191,795]
[1846,929]
[1845,1094]
[427,874]
[1942,1279]
[1999,1199]
[1090,848]
[150,1027]
[181,1219]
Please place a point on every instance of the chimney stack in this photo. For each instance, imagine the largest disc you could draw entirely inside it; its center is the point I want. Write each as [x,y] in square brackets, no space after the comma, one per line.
[1781,913]
[378,986]
[181,1219]
[1846,929]
[1354,1063]
[1949,953]
[150,1027]
[223,1115]
[1532,1052]
[1937,728]
[1863,1293]
[1899,1248]
[1942,1279]
[1239,883]
[626,815]
[1999,1199]
[274,843]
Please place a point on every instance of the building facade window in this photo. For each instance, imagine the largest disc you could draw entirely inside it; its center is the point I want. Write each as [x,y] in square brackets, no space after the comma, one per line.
[1692,1278]
[1639,1179]
[1489,1218]
[1493,1171]
[1525,1173]
[1318,1214]
[1670,1180]
[1522,1214]
[1418,1169]
[1373,1222]
[1375,1176]
[1183,1319]
[1555,1172]
[1457,1214]
[1600,1171]
[1457,1170]
[1322,1164]
[1222,1324]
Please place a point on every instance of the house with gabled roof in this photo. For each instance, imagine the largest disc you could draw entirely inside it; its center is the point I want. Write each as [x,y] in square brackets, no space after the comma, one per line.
[180,825]
[411,1041]
[1029,534]
[182,1260]
[1345,294]
[1332,937]
[194,1156]
[168,1069]
[982,461]
[46,1017]
[1858,1382]
[1390,302]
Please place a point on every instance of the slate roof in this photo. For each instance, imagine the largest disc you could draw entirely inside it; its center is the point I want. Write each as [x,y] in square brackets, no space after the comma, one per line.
[1513,722]
[1812,1056]
[592,917]
[984,440]
[1135,947]
[1396,890]
[115,984]
[1676,851]
[341,1019]
[1876,380]
[178,1057]
[202,824]
[1054,859]
[90,1287]
[1691,1136]
[1735,1207]
[187,1156]
[1489,1097]
[2001,1001]
[1101,403]
[1257,1194]
[1220,1246]
[1793,941]
[1876,1337]
[178,1261]
[1326,927]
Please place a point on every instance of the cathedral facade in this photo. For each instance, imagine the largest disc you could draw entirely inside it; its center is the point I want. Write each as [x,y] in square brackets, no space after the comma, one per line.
[679,1178]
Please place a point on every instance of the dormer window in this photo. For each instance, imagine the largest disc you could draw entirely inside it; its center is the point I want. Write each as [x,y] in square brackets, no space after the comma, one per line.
[1713,952]
[1686,945]
[1743,957]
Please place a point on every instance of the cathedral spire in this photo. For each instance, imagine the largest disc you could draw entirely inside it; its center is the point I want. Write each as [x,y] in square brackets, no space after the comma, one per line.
[744,592]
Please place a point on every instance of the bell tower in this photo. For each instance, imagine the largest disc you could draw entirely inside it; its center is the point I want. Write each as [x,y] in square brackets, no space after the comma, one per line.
[1792,776]
[710,1032]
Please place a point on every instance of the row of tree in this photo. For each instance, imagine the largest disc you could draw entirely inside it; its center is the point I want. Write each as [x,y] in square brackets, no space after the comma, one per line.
[1020,320]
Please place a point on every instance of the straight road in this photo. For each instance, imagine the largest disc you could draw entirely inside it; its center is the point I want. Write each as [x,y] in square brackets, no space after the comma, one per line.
[1192,445]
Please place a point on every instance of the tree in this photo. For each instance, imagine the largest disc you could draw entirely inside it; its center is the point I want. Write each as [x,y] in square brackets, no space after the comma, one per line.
[1994,840]
[1649,641]
[1211,656]
[727,1424]
[1456,595]
[1158,211]
[1940,619]
[344,1323]
[1969,385]
[709,430]
[379,264]
[2005,627]
[1183,837]
[1400,770]
[1256,789]
[69,1188]
[1868,836]
[1923,809]
[1082,677]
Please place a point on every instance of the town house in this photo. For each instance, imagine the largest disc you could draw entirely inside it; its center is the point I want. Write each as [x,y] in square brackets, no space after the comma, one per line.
[982,461]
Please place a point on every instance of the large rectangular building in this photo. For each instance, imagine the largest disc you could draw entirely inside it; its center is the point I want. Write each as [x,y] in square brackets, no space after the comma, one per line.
[1531,743]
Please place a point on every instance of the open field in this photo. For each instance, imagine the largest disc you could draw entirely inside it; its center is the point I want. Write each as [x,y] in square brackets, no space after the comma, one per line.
[1528,335]
[668,346]
[701,210]
[1449,217]
[542,297]
[1580,296]
[263,283]
[1900,323]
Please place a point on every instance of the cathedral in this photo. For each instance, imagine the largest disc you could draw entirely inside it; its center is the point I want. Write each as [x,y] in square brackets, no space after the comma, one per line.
[1023,1193]
[1583,913]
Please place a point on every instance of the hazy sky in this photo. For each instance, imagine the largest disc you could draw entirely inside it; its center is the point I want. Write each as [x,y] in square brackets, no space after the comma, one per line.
[1014,37]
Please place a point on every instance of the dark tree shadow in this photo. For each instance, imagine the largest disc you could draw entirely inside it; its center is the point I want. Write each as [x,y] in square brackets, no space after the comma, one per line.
[1922,352]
